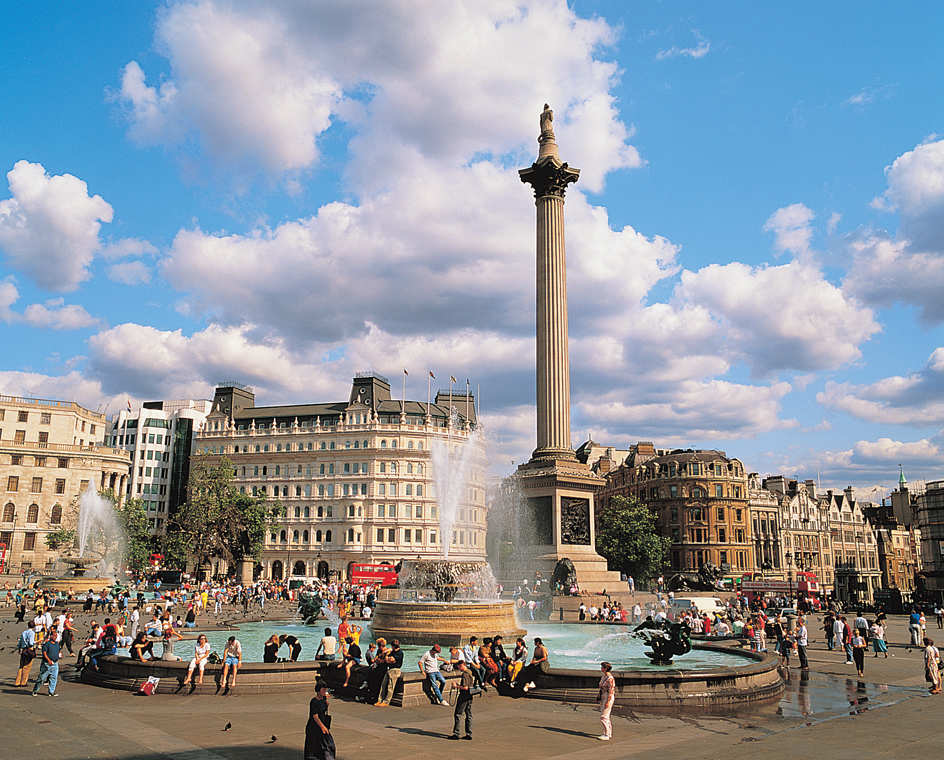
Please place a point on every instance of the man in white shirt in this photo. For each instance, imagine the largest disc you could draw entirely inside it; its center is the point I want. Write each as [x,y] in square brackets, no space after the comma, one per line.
[802,640]
[328,647]
[429,664]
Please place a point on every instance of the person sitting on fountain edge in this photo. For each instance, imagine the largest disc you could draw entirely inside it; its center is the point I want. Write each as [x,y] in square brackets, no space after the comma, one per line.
[328,647]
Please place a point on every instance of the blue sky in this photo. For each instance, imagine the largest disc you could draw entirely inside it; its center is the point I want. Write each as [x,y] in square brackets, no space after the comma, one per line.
[286,193]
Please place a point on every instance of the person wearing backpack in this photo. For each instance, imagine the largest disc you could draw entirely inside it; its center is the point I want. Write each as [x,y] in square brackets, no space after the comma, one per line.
[107,644]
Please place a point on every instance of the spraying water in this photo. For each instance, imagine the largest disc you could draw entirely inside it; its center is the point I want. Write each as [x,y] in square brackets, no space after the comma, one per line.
[99,531]
[452,462]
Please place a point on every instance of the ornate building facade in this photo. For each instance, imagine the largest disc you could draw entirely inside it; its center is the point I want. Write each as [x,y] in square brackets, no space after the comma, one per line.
[49,453]
[358,478]
[701,498]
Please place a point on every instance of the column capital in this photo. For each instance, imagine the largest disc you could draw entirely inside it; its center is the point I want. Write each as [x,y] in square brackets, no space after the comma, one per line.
[549,177]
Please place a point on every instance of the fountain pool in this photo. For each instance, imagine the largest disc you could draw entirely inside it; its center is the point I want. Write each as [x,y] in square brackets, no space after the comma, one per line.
[578,647]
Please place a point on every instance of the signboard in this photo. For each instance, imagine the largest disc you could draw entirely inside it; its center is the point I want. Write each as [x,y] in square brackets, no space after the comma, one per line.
[766,586]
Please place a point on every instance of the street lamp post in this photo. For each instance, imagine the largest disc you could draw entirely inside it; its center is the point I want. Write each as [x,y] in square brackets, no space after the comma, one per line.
[789,557]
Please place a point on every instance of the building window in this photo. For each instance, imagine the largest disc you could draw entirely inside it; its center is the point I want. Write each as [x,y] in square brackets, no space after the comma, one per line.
[24,417]
[380,535]
[722,536]
[9,511]
[36,486]
[19,436]
[328,537]
[62,463]
[29,542]
[60,485]
[719,493]
[13,483]
[391,535]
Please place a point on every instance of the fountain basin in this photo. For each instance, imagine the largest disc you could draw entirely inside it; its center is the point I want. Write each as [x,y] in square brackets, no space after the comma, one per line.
[754,683]
[446,623]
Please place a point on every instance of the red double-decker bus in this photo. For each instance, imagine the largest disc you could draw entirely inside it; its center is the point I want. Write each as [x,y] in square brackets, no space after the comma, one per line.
[384,575]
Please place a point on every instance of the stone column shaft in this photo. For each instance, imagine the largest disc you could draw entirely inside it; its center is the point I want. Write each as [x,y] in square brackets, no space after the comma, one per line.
[553,356]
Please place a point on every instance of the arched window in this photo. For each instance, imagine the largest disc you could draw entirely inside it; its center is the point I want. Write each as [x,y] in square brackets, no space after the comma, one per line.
[320,493]
[8,512]
[298,512]
[322,470]
[350,511]
[278,470]
[282,537]
[331,446]
[393,444]
[419,490]
[305,536]
[331,469]
[244,471]
[262,490]
[257,448]
[698,493]
[409,444]
[265,447]
[255,470]
[327,536]
[278,448]
[383,466]
[242,489]
[357,444]
[32,514]
[323,446]
[56,515]
[298,490]
[307,512]
[381,491]
[383,444]
[409,468]
[365,444]
[420,445]
[360,511]
[318,536]
[393,489]
[308,469]
[350,535]
[409,489]
[330,512]
[309,446]
[393,467]
[347,444]
[265,470]
[419,469]
[320,511]
[284,491]
[295,537]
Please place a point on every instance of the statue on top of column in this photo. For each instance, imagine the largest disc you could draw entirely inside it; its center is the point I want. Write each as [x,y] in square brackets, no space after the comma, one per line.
[547,119]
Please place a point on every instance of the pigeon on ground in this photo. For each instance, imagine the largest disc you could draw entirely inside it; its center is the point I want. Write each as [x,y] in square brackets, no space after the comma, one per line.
[274,739]
[228,726]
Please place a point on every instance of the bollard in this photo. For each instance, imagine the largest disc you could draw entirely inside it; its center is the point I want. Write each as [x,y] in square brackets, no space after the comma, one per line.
[562,614]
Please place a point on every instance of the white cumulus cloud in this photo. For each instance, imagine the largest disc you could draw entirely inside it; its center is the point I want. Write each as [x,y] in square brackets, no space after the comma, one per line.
[50,228]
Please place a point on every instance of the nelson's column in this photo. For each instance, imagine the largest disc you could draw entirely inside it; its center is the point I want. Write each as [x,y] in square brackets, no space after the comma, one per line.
[559,489]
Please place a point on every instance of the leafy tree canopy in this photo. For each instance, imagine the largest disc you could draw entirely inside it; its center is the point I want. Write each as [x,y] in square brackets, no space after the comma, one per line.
[627,535]
[217,520]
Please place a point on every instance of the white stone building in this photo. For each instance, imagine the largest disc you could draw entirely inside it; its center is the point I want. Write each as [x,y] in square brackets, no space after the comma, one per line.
[356,477]
[49,453]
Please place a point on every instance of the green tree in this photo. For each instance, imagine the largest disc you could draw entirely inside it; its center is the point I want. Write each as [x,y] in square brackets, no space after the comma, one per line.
[218,521]
[59,539]
[628,537]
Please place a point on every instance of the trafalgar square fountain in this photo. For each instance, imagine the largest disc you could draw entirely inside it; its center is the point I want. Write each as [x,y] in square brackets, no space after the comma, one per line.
[442,601]
[100,544]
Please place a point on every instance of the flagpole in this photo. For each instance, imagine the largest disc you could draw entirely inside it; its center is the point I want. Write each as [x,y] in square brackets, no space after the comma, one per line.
[467,401]
[403,393]
[429,377]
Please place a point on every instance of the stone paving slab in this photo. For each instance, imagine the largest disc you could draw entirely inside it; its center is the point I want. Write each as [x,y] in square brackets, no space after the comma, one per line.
[828,712]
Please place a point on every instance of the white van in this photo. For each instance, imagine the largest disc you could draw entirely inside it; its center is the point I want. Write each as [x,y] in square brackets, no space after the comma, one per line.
[682,604]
